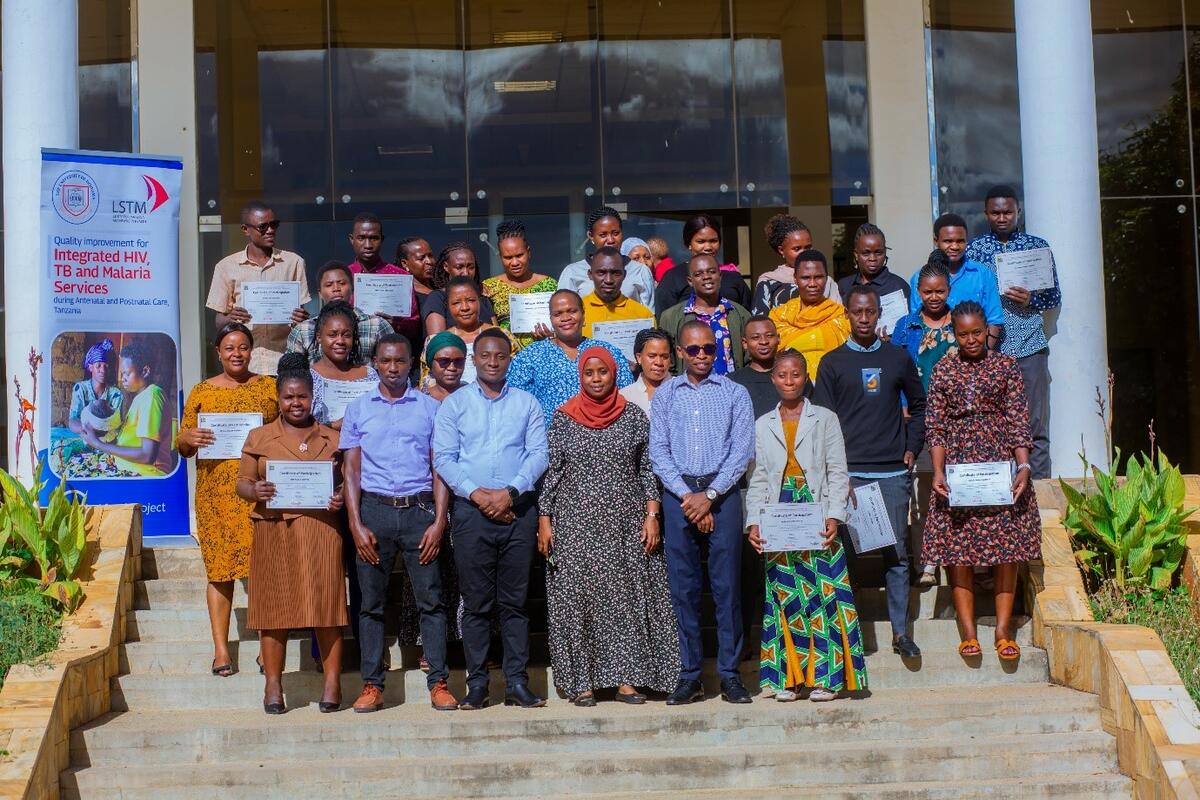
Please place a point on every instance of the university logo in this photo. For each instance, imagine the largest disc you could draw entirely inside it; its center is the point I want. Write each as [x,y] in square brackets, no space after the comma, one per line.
[76,197]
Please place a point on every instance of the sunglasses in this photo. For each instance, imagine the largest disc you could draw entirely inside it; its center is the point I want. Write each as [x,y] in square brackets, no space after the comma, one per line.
[694,350]
[447,363]
[269,225]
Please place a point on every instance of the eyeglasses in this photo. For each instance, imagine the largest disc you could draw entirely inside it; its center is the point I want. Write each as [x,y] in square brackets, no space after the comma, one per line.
[694,350]
[447,363]
[269,225]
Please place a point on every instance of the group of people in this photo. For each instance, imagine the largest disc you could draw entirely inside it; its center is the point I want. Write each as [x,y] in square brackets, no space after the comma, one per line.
[467,449]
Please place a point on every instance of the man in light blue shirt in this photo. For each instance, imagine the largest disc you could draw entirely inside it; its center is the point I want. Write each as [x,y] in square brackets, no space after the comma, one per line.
[969,280]
[701,440]
[489,445]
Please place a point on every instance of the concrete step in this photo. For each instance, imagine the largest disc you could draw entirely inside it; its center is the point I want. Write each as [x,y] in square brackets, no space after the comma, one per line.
[418,731]
[659,768]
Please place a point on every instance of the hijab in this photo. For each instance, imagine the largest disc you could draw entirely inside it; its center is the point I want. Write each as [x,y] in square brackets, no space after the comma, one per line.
[440,341]
[97,353]
[590,413]
[627,245]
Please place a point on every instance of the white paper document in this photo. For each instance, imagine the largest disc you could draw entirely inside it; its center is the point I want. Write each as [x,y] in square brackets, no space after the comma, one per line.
[300,484]
[621,333]
[270,302]
[792,526]
[469,371]
[892,306]
[527,310]
[339,394]
[985,484]
[389,294]
[231,431]
[869,525]
[1027,269]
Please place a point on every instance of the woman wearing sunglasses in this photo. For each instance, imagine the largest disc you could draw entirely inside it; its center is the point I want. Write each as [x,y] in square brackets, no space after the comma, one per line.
[463,304]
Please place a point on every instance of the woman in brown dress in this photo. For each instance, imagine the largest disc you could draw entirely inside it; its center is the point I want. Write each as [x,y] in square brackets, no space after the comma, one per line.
[977,413]
[223,523]
[296,574]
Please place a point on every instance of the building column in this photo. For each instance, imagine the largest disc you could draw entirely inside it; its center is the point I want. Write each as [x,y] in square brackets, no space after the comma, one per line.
[41,109]
[898,112]
[1056,81]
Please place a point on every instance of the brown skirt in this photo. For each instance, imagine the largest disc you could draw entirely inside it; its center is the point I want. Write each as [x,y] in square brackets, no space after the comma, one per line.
[296,575]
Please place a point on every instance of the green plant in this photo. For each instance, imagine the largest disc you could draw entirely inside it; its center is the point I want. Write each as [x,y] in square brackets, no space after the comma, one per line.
[41,550]
[1130,531]
[30,626]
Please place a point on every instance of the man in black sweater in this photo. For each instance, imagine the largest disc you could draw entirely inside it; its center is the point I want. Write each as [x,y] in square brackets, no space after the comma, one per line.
[862,382]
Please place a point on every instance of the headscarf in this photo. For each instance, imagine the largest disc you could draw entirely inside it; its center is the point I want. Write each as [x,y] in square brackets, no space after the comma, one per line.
[97,353]
[627,245]
[591,413]
[440,341]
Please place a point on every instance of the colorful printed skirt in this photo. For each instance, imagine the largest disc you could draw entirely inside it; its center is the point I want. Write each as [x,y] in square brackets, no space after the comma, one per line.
[811,634]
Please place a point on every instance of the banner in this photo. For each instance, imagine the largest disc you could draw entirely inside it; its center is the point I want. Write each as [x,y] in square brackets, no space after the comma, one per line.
[110,332]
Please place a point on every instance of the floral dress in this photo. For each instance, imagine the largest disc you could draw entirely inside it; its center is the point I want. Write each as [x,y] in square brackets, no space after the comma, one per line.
[498,289]
[977,411]
[935,344]
[223,523]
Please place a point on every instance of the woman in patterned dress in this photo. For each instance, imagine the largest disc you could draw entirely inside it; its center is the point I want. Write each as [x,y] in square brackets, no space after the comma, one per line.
[811,635]
[977,413]
[611,620]
[223,523]
[518,278]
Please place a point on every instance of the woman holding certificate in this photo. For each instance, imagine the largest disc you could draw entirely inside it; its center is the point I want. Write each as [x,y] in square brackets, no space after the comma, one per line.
[810,634]
[976,426]
[289,471]
[216,417]
[517,279]
[342,374]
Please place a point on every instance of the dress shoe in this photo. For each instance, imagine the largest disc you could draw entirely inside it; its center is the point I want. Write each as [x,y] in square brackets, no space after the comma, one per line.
[370,700]
[441,699]
[584,700]
[635,699]
[477,698]
[519,695]
[273,708]
[732,691]
[905,647]
[686,691]
[328,708]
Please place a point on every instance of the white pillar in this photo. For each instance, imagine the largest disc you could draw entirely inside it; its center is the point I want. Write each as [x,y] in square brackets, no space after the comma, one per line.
[1057,87]
[41,109]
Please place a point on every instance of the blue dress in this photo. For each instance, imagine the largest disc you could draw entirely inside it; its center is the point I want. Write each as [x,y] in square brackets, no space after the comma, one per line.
[543,370]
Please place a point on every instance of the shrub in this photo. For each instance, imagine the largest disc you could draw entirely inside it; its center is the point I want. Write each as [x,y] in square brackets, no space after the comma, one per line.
[41,550]
[29,628]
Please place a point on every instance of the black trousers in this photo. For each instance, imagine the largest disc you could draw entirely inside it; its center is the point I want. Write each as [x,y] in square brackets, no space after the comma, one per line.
[494,561]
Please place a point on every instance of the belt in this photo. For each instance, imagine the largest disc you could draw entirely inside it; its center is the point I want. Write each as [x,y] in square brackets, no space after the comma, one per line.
[407,501]
[698,483]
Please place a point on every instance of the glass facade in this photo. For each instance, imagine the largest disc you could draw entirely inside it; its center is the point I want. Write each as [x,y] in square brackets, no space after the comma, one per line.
[1147,59]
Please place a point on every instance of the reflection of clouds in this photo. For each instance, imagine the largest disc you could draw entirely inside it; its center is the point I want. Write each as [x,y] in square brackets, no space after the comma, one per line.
[846,88]
[571,64]
[409,85]
[685,81]
[1134,72]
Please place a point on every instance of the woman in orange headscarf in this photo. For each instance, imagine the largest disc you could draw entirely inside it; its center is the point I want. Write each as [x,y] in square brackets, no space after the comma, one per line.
[811,323]
[611,620]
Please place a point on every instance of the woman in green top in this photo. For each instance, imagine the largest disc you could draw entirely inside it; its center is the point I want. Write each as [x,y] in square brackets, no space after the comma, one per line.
[97,364]
[518,278]
[138,439]
[927,333]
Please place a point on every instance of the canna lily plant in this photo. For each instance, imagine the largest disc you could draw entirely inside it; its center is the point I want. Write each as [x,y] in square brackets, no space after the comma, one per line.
[41,550]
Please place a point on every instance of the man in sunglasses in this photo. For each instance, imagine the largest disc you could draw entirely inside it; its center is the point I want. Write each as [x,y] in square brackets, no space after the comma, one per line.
[261,260]
[701,440]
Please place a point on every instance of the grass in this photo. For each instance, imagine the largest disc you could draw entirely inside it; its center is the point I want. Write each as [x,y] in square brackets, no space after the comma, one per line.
[29,628]
[1168,613]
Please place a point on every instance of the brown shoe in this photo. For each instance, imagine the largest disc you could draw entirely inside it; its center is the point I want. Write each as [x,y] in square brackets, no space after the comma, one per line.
[441,699]
[370,700]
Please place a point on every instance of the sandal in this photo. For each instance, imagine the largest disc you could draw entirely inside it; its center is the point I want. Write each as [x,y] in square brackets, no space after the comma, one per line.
[223,671]
[1008,645]
[968,644]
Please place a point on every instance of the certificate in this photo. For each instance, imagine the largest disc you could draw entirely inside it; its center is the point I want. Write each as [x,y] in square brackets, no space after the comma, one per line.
[892,306]
[270,302]
[868,523]
[390,294]
[792,526]
[986,484]
[300,484]
[339,394]
[621,333]
[1028,269]
[526,310]
[231,431]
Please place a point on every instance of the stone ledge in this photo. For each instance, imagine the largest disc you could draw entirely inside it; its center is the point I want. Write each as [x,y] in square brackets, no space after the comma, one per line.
[1143,702]
[40,705]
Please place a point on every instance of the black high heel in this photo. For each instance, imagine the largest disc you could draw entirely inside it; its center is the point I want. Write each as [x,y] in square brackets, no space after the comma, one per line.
[261,669]
[273,708]
[329,708]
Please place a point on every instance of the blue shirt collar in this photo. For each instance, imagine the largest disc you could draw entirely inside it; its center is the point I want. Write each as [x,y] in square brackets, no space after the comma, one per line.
[407,397]
[479,390]
[858,348]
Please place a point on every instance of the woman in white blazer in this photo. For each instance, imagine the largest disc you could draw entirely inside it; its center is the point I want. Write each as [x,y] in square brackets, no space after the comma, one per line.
[810,635]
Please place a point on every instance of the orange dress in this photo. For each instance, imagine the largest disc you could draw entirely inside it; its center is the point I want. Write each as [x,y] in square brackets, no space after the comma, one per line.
[222,518]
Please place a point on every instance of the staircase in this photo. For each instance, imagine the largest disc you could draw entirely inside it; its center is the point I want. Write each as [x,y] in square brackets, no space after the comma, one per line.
[940,729]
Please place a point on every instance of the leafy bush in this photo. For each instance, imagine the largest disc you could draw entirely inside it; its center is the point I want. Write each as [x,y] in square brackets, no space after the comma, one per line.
[41,551]
[1131,532]
[29,628]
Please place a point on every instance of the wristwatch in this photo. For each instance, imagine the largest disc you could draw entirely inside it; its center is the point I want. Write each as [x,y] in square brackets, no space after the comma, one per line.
[654,514]
[513,493]
[711,494]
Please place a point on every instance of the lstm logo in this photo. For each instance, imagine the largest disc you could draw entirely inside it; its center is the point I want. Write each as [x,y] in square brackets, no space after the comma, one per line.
[156,195]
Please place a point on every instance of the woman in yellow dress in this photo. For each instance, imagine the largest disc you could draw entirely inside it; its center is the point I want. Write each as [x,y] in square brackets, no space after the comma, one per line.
[223,523]
[811,323]
[518,278]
